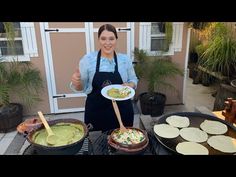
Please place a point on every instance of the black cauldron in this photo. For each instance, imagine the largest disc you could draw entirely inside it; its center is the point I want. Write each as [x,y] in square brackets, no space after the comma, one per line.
[69,149]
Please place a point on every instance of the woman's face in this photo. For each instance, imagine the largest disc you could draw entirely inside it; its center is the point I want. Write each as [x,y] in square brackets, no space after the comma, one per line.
[107,41]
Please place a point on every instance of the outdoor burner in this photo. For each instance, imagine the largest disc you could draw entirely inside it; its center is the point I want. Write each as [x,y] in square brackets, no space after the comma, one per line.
[85,150]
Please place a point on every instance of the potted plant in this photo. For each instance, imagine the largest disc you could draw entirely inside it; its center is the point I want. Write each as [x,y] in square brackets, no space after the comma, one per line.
[155,70]
[220,54]
[18,81]
[218,59]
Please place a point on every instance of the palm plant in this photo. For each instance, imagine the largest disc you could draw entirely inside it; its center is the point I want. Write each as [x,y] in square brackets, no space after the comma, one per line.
[220,54]
[18,81]
[18,78]
[155,70]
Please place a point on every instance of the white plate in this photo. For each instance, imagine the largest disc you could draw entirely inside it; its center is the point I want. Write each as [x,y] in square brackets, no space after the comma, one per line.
[117,86]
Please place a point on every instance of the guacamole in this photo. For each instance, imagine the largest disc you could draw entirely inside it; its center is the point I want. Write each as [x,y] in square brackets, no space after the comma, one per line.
[67,133]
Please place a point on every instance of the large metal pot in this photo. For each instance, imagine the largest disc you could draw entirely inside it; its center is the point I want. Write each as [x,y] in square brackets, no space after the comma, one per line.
[120,148]
[59,150]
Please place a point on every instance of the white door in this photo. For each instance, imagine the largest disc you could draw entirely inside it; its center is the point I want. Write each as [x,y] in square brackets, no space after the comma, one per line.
[64,44]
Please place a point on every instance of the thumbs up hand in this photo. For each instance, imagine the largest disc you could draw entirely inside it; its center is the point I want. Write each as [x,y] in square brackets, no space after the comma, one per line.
[76,79]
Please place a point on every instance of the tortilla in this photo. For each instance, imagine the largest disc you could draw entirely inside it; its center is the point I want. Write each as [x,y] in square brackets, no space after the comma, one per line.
[223,143]
[191,148]
[178,121]
[166,131]
[213,127]
[193,134]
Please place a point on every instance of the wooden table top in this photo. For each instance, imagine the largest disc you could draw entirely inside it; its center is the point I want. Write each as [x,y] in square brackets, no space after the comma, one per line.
[219,115]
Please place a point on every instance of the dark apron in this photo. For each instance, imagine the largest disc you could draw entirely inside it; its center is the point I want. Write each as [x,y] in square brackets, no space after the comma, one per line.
[98,109]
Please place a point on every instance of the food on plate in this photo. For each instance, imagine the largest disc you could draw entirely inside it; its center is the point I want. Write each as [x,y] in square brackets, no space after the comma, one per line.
[119,93]
[131,136]
[213,127]
[178,121]
[223,143]
[166,131]
[193,134]
[191,148]
[67,133]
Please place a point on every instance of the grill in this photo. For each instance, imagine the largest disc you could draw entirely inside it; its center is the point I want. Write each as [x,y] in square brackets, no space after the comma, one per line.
[101,147]
[155,147]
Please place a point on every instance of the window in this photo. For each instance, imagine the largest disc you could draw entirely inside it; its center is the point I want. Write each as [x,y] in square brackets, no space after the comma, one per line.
[24,42]
[153,38]
[157,36]
[7,50]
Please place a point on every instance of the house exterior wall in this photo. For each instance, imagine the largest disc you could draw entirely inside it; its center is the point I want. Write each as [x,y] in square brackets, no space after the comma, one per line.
[136,34]
[173,97]
[39,63]
[44,106]
[178,82]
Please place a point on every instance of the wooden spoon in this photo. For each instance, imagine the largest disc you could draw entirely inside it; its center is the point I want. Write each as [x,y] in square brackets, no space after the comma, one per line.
[51,138]
[115,106]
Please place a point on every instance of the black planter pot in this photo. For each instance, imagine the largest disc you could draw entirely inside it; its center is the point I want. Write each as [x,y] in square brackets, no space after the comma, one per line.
[193,58]
[10,117]
[152,103]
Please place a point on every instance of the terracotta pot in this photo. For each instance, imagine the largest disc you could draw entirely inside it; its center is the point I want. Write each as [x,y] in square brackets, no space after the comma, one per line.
[129,148]
[28,125]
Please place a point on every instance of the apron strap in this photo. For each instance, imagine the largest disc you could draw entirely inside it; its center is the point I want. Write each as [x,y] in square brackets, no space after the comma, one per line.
[115,57]
[98,61]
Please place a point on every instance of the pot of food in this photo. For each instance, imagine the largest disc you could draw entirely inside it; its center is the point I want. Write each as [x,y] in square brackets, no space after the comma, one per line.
[71,134]
[133,141]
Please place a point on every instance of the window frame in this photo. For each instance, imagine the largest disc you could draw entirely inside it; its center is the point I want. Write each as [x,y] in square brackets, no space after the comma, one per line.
[145,39]
[28,39]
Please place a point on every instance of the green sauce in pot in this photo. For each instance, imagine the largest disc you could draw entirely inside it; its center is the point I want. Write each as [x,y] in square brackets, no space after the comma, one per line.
[67,133]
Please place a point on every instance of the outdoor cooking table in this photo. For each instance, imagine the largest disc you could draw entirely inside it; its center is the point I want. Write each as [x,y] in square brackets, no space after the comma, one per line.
[94,144]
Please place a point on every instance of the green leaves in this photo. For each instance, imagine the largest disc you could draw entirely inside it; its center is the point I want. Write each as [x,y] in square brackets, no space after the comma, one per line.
[220,56]
[4,96]
[155,70]
[160,69]
[19,79]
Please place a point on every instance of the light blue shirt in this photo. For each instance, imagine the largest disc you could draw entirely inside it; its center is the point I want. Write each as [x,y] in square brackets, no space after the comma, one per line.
[88,63]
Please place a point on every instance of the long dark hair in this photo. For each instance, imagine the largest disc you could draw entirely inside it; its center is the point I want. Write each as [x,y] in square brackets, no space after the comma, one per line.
[107,27]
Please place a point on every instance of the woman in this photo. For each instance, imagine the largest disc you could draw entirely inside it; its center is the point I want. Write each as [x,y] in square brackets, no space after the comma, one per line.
[99,69]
